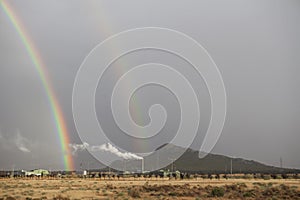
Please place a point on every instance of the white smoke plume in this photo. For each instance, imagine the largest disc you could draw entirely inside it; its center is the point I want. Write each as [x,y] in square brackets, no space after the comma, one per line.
[8,141]
[105,147]
[20,142]
[78,147]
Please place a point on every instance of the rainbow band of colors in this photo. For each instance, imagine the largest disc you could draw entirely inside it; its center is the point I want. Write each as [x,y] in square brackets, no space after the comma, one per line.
[42,72]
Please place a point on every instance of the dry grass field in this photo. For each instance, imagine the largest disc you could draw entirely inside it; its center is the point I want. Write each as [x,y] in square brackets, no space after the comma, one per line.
[148,189]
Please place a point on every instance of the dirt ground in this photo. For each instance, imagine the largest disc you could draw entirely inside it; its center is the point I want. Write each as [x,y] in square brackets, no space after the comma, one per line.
[148,189]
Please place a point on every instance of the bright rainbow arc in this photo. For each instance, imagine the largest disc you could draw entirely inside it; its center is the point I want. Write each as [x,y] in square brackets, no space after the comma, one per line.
[42,72]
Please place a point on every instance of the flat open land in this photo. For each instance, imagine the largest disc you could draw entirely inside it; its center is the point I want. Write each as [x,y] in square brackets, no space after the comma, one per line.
[149,189]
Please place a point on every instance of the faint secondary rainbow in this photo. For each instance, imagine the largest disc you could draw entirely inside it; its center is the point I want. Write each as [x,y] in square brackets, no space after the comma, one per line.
[101,14]
[42,72]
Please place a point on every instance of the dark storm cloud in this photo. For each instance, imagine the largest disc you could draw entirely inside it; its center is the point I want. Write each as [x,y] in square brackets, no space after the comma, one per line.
[254,43]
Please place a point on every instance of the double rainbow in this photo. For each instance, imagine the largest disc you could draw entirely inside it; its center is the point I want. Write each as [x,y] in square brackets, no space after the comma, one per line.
[42,72]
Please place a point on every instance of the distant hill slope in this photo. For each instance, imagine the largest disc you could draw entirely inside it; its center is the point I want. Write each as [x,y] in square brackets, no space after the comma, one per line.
[212,163]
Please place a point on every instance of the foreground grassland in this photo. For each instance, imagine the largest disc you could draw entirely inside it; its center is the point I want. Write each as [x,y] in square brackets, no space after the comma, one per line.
[65,189]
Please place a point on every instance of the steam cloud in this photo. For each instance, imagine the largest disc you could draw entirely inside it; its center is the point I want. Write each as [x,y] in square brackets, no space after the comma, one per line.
[20,143]
[105,147]
[17,140]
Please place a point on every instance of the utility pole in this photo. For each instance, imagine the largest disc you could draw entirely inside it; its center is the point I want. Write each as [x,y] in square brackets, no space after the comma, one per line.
[13,171]
[231,166]
[157,160]
[172,165]
[124,167]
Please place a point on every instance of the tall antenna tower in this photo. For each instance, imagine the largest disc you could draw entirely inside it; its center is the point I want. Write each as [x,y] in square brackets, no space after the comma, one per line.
[231,166]
[124,168]
[172,165]
[157,160]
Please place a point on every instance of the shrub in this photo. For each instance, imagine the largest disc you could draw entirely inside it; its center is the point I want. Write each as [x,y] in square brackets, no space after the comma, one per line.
[134,192]
[120,194]
[248,194]
[266,177]
[59,197]
[172,193]
[217,192]
[278,176]
[204,176]
[296,176]
[270,184]
[248,176]
[284,176]
[110,186]
[10,198]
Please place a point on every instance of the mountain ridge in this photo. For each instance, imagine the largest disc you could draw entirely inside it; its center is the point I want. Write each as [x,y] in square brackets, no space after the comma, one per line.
[189,161]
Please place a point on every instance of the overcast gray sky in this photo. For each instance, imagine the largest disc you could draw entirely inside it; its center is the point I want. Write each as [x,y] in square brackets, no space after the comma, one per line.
[255,44]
